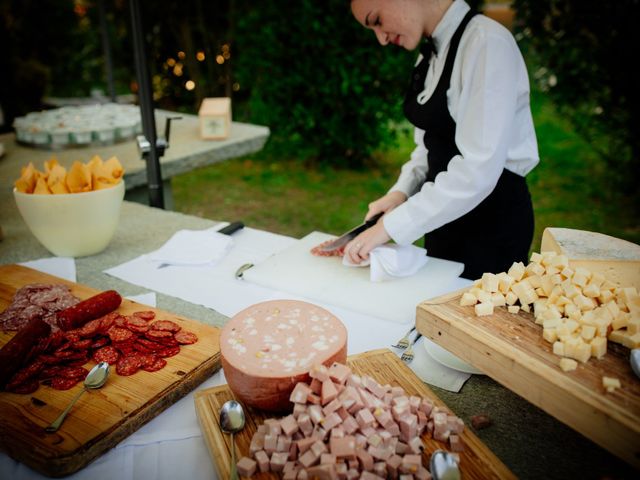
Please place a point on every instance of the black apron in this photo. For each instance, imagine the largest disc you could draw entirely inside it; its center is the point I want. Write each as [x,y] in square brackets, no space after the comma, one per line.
[499,230]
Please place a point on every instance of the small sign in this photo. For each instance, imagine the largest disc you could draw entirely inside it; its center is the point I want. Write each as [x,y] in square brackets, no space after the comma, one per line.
[215,118]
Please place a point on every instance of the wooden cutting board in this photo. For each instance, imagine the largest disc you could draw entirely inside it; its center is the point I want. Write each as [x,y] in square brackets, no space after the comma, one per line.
[511,350]
[476,462]
[101,418]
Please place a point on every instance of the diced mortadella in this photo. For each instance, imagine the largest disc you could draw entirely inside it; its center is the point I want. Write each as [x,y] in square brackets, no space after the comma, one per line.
[246,466]
[263,461]
[289,425]
[278,460]
[456,443]
[339,372]
[323,472]
[329,391]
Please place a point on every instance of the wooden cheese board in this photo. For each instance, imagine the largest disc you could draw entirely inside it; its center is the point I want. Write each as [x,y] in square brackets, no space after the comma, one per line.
[476,462]
[510,349]
[101,418]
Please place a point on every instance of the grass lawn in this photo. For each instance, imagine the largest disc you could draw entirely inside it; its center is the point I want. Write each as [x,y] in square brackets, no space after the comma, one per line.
[283,196]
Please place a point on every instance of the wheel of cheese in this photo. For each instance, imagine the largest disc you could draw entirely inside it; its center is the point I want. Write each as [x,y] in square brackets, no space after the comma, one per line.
[269,347]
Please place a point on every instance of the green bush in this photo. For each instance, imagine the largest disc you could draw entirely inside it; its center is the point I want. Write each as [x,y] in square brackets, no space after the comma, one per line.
[326,88]
[585,50]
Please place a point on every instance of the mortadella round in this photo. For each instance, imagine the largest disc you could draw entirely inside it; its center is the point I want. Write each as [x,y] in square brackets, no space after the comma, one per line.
[269,347]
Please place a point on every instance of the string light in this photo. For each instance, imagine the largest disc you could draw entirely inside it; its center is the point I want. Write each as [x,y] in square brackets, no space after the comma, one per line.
[200,56]
[190,85]
[219,59]
[181,55]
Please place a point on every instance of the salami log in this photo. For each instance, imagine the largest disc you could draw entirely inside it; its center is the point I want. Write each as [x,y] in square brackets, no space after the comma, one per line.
[14,353]
[89,309]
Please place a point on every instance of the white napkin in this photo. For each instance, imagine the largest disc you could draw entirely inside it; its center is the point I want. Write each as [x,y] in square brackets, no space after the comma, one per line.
[392,261]
[63,267]
[193,248]
[144,298]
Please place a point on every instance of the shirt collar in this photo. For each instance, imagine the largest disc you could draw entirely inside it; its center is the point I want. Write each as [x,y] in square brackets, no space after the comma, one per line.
[448,24]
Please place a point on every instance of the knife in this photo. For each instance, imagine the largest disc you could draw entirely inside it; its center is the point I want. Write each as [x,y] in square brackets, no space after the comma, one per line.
[351,234]
[231,228]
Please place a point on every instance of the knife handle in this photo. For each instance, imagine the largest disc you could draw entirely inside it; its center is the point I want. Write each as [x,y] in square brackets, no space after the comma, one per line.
[373,220]
[231,228]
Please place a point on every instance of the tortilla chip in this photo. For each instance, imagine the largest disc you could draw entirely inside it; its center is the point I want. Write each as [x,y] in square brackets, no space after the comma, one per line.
[41,187]
[79,178]
[50,164]
[56,180]
[114,167]
[28,178]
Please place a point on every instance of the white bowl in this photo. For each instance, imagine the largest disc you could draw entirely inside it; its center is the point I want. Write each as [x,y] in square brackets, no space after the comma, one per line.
[72,224]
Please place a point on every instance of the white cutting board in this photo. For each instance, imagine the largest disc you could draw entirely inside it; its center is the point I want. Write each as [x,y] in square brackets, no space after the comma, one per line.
[324,279]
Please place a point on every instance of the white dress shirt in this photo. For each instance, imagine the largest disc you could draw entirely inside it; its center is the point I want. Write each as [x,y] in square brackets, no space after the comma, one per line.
[488,98]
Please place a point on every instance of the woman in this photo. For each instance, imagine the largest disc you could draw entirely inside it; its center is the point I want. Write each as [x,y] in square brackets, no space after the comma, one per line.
[468,98]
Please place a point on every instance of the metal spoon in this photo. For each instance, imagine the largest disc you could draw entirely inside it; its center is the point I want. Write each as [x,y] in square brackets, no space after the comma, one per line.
[443,466]
[232,421]
[635,361]
[96,378]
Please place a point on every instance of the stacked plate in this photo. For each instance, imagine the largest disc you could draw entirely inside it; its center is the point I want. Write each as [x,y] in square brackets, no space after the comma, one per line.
[77,126]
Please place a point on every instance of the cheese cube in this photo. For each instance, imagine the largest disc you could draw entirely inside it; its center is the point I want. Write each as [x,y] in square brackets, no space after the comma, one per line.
[632,341]
[566,364]
[582,352]
[610,383]
[560,261]
[570,290]
[534,270]
[468,299]
[484,308]
[490,282]
[551,313]
[558,348]
[513,308]
[584,303]
[567,272]
[628,294]
[562,301]
[618,336]
[613,308]
[591,291]
[547,257]
[571,325]
[483,296]
[498,300]
[525,308]
[556,279]
[549,334]
[516,271]
[504,282]
[511,298]
[605,296]
[598,347]
[536,257]
[588,332]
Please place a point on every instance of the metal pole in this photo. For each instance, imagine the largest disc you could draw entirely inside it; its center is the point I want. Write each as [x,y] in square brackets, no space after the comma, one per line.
[106,48]
[145,97]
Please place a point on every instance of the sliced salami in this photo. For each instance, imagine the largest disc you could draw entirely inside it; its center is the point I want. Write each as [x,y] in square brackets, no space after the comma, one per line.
[146,315]
[107,354]
[159,334]
[78,373]
[128,365]
[165,325]
[25,388]
[185,338]
[119,334]
[137,324]
[169,351]
[159,364]
[63,383]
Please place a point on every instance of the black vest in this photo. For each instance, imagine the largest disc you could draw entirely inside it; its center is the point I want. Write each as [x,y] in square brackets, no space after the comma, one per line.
[499,230]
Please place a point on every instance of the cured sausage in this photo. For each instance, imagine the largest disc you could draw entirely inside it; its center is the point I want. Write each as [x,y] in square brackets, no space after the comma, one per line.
[89,309]
[16,351]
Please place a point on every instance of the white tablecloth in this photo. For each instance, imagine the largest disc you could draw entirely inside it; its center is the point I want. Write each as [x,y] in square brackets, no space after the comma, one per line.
[171,445]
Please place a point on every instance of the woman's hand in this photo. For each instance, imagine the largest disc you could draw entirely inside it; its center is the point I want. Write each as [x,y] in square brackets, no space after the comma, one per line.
[385,204]
[358,249]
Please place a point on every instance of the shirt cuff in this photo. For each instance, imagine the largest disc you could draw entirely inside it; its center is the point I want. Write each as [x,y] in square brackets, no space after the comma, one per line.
[400,226]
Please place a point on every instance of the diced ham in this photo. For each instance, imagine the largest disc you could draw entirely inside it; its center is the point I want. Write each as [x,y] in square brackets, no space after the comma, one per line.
[456,443]
[246,467]
[323,472]
[263,461]
[278,460]
[269,347]
[289,425]
[329,391]
[344,448]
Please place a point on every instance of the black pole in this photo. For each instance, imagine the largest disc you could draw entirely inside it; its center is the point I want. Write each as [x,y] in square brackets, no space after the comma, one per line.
[106,48]
[145,97]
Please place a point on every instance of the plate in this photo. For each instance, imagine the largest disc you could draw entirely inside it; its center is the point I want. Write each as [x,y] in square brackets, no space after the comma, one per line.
[447,359]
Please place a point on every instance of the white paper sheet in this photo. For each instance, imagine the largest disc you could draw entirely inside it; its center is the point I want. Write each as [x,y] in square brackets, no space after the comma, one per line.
[63,267]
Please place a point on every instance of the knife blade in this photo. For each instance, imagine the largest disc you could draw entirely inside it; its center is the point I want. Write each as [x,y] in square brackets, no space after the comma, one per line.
[351,234]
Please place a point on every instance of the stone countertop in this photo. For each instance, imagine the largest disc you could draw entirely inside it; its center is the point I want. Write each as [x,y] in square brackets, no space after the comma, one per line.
[186,152]
[531,443]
